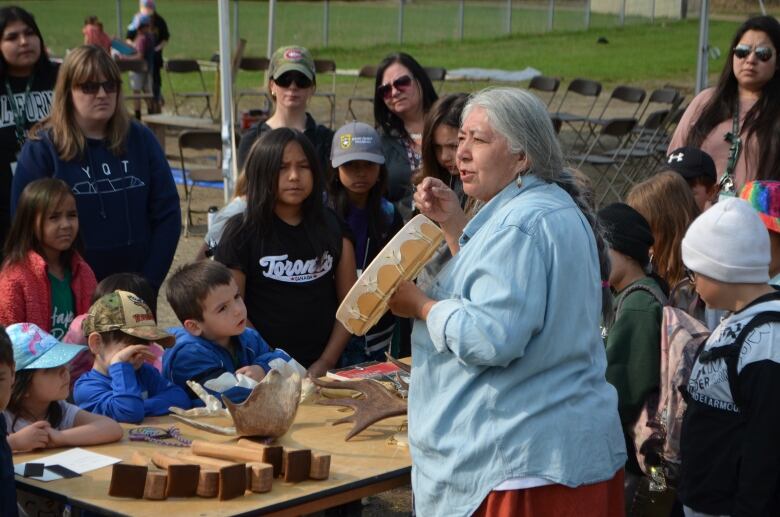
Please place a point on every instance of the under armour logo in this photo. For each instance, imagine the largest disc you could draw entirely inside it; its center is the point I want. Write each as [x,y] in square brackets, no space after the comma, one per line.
[676,157]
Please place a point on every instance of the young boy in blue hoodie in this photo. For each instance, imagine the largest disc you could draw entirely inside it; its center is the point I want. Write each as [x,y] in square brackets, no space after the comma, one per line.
[214,338]
[7,374]
[121,385]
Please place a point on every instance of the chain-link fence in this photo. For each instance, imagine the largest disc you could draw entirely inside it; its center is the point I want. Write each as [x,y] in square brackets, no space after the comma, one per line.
[354,24]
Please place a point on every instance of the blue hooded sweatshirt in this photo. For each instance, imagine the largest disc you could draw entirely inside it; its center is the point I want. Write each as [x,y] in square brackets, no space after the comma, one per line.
[128,395]
[198,359]
[129,215]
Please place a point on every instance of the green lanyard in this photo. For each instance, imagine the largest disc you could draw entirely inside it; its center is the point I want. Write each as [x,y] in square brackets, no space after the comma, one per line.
[20,120]
[726,181]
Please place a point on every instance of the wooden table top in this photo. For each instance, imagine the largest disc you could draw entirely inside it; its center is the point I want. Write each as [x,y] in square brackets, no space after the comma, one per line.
[369,458]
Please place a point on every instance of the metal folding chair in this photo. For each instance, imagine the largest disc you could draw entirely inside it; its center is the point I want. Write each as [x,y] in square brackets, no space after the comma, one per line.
[260,65]
[187,66]
[617,130]
[545,85]
[642,158]
[666,98]
[325,67]
[193,168]
[437,75]
[368,72]
[582,88]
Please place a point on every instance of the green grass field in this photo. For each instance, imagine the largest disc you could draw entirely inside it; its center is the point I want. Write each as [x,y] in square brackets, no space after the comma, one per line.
[639,53]
[352,24]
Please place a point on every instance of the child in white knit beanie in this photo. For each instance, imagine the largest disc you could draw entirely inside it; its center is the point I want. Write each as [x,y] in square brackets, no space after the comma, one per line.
[728,441]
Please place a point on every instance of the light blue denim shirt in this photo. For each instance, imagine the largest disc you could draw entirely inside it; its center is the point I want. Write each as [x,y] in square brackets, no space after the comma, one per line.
[508,372]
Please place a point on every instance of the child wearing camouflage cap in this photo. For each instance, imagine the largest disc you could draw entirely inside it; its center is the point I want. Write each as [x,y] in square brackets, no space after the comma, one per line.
[121,385]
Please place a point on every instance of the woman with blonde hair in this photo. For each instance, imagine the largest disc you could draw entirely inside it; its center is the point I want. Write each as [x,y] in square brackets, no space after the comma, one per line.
[126,199]
[667,203]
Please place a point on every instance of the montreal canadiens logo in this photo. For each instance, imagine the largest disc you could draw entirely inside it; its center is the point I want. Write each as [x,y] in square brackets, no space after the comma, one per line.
[293,54]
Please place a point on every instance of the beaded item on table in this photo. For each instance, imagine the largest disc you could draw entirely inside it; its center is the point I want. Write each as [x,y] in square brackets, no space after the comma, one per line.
[159,436]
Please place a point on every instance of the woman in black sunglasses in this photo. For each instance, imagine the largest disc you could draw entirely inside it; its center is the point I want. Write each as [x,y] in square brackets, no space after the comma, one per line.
[737,121]
[128,206]
[26,74]
[403,95]
[292,82]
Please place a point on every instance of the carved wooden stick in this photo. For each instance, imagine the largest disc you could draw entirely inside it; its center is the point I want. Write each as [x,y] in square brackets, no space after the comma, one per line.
[378,404]
[226,451]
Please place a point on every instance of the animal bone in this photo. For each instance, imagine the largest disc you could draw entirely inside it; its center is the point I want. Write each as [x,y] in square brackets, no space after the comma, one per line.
[271,407]
[378,404]
[213,407]
[269,410]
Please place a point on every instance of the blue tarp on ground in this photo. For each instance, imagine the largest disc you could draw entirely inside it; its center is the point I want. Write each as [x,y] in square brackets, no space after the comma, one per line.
[177,177]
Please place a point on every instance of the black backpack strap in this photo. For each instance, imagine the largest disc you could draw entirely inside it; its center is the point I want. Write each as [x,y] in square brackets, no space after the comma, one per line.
[654,292]
[730,353]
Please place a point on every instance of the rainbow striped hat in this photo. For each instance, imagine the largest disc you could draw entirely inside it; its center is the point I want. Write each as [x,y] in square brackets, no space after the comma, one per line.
[764,197]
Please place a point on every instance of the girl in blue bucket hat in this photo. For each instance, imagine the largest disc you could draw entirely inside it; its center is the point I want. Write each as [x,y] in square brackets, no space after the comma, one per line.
[37,415]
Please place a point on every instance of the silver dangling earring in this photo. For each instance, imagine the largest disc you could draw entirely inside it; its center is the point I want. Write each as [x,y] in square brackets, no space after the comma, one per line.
[519,181]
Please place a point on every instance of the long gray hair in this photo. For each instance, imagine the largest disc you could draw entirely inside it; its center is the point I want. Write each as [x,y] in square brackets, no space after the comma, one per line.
[522,119]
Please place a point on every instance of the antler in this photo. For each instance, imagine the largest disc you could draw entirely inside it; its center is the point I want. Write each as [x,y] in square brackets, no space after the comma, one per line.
[378,404]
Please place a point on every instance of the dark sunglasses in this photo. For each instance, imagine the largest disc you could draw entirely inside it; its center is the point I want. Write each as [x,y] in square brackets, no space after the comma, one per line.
[762,53]
[287,78]
[401,84]
[93,87]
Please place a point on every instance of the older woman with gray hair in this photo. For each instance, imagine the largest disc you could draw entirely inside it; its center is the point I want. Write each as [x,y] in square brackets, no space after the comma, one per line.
[509,410]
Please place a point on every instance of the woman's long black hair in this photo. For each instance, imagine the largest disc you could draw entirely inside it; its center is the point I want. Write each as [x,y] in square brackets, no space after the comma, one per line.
[387,122]
[763,119]
[262,182]
[13,13]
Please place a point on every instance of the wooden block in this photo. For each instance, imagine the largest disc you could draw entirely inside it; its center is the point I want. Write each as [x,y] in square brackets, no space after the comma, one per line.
[296,464]
[183,480]
[232,481]
[261,477]
[271,453]
[208,483]
[320,466]
[127,480]
[156,485]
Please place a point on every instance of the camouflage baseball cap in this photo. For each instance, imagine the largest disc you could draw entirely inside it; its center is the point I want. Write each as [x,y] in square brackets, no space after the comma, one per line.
[122,310]
[287,59]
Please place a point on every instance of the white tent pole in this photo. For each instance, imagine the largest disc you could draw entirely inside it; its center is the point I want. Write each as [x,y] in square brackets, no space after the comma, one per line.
[703,54]
[119,32]
[271,26]
[226,99]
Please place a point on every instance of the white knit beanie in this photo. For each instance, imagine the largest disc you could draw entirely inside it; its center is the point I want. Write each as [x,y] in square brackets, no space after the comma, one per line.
[729,243]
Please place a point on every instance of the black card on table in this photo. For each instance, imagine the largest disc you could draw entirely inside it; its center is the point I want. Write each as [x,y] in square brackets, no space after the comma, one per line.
[33,470]
[62,471]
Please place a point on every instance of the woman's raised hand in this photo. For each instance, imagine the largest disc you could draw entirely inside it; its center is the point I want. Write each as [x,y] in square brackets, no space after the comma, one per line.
[436,200]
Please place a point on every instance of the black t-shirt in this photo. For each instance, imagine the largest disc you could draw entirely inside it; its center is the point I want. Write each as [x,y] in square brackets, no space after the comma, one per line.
[290,292]
[320,137]
[37,108]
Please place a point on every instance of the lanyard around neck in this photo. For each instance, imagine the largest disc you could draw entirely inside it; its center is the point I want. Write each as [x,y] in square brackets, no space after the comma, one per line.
[726,181]
[20,119]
